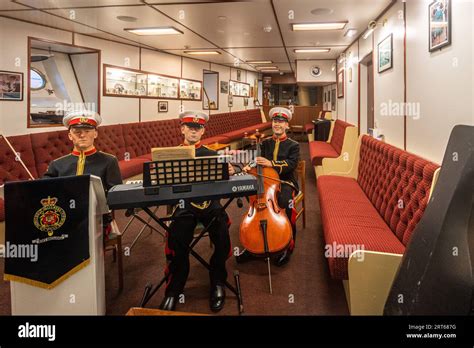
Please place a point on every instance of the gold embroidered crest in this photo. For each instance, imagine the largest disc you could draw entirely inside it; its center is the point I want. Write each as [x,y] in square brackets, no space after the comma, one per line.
[50,217]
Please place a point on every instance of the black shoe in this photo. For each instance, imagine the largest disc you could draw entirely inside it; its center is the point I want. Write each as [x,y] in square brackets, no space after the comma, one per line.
[168,303]
[217,299]
[283,258]
[244,256]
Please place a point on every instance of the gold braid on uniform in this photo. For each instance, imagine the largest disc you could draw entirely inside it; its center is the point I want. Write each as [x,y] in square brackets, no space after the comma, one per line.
[280,165]
[81,162]
[202,206]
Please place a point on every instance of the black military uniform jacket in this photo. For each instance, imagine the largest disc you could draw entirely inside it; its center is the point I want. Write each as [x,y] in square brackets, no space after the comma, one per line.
[284,154]
[96,163]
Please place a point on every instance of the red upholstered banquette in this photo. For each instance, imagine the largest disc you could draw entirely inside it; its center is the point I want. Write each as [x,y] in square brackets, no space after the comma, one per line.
[380,209]
[130,143]
[321,149]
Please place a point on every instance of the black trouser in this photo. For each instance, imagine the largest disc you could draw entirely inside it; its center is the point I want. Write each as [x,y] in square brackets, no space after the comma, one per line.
[181,234]
[285,197]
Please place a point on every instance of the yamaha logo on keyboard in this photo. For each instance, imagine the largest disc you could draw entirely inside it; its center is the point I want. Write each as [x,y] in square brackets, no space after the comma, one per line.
[242,188]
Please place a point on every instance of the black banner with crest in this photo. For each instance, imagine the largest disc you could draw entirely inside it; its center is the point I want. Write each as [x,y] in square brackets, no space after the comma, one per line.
[46,229]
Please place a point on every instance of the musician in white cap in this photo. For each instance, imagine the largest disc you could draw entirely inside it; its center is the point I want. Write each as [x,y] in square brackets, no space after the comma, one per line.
[282,154]
[84,158]
[193,127]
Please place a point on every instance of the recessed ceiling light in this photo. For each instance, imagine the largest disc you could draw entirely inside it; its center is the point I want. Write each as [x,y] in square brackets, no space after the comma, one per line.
[319,26]
[127,18]
[350,32]
[312,50]
[202,53]
[154,31]
[259,61]
[322,11]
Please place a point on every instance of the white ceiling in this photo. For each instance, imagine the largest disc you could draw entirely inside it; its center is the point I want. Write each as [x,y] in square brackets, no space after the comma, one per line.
[238,36]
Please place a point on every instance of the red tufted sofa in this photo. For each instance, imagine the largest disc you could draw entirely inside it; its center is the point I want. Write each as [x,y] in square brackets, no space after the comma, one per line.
[380,206]
[130,143]
[332,149]
[308,127]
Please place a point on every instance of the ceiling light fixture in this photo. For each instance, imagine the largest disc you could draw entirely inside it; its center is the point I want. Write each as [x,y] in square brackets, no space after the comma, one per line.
[322,11]
[370,29]
[126,18]
[319,26]
[312,50]
[259,62]
[350,32]
[202,53]
[154,31]
[267,67]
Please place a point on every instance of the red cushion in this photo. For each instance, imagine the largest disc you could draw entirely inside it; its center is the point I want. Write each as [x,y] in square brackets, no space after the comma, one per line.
[10,168]
[217,139]
[111,140]
[132,167]
[319,150]
[349,219]
[2,210]
[338,133]
[308,127]
[135,141]
[163,133]
[397,183]
[49,146]
[262,126]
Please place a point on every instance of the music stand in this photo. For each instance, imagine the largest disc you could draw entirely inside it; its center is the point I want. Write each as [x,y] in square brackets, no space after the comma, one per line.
[181,175]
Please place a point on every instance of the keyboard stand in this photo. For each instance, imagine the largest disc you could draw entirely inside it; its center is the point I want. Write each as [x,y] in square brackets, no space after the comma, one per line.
[150,290]
[134,215]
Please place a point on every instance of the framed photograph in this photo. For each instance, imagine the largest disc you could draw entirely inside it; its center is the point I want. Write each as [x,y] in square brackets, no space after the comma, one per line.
[162,106]
[333,100]
[11,86]
[231,100]
[224,87]
[239,75]
[340,84]
[385,54]
[439,24]
[246,101]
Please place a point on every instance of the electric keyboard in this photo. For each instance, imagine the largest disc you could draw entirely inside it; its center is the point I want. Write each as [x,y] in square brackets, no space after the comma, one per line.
[136,196]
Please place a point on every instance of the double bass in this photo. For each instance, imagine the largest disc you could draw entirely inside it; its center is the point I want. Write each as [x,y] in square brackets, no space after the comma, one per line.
[265,228]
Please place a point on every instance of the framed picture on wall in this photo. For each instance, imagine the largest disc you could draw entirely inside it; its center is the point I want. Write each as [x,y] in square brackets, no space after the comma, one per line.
[162,106]
[230,100]
[224,87]
[385,54]
[246,101]
[333,100]
[340,84]
[11,86]
[439,24]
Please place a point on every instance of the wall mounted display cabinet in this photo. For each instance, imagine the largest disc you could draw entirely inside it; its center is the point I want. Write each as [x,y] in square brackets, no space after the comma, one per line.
[126,82]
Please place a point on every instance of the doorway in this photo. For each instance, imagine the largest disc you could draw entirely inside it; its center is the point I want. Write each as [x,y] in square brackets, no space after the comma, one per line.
[366,94]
